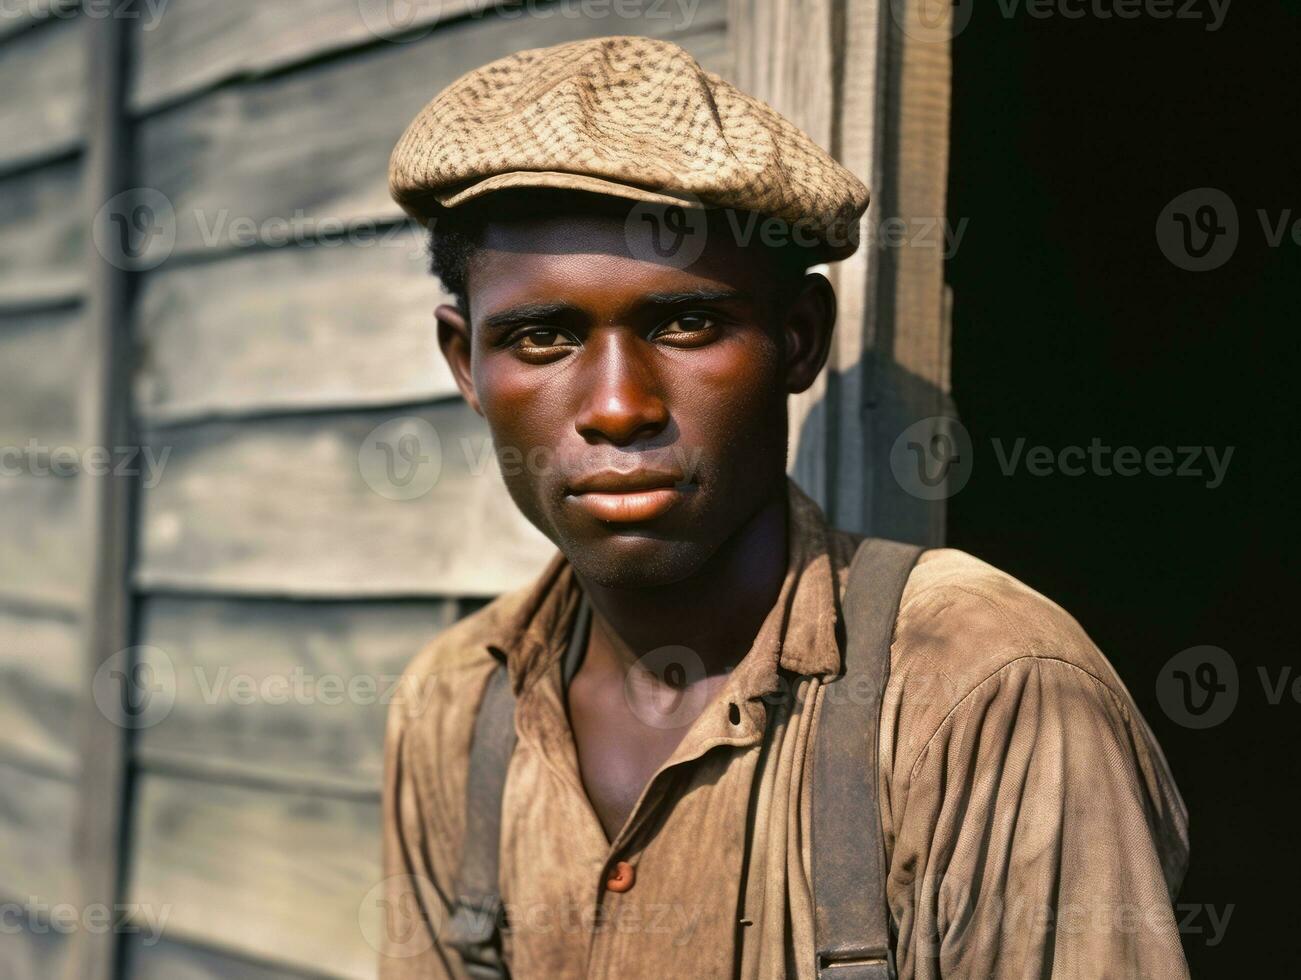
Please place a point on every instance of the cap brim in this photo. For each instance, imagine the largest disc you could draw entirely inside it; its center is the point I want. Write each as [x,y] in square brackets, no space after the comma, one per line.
[425,206]
[562,181]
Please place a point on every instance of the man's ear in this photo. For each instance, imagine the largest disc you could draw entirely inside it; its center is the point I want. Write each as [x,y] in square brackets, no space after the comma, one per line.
[454,339]
[810,321]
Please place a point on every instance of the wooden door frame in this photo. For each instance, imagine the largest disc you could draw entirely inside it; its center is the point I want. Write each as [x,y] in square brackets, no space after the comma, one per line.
[870,81]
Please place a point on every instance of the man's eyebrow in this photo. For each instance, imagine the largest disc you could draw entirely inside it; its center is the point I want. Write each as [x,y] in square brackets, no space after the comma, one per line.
[702,295]
[528,313]
[548,313]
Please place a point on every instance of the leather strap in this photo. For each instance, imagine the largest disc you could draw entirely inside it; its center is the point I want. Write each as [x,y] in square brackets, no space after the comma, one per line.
[852,924]
[477,921]
[852,918]
[478,918]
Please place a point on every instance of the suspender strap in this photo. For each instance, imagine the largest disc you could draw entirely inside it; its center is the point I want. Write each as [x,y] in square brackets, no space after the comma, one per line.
[478,919]
[852,918]
[474,929]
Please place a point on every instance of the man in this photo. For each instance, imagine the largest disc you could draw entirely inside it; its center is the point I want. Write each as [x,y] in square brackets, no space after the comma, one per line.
[656,807]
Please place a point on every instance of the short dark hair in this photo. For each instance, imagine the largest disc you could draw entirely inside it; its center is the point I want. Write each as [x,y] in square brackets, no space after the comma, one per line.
[457,233]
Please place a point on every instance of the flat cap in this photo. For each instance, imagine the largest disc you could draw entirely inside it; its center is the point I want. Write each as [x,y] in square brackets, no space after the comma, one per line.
[628,117]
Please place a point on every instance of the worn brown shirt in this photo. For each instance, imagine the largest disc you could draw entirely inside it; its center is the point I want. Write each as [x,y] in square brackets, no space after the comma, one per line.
[1032,826]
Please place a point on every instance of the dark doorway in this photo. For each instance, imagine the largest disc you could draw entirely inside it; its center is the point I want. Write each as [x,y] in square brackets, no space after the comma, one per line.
[1071,136]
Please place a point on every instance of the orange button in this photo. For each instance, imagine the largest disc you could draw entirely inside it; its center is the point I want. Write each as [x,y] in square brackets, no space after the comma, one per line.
[622,878]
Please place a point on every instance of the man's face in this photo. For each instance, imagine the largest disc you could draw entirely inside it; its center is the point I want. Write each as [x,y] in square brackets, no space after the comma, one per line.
[638,410]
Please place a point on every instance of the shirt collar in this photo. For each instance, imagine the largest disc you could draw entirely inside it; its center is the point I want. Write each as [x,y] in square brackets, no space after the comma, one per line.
[799,634]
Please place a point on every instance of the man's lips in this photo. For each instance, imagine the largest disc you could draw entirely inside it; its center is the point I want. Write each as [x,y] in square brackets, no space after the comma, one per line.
[627,498]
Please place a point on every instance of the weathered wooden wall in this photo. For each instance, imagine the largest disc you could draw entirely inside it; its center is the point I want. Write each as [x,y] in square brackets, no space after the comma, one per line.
[42,278]
[273,551]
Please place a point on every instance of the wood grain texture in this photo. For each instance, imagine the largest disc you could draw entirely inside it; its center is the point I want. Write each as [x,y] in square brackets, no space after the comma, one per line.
[40,541]
[283,689]
[36,820]
[295,327]
[186,961]
[308,506]
[783,54]
[107,511]
[40,373]
[197,43]
[43,78]
[273,876]
[232,175]
[27,954]
[911,379]
[34,14]
[39,670]
[42,235]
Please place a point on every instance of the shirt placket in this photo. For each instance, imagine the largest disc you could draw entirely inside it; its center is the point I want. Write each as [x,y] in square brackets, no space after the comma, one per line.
[732,719]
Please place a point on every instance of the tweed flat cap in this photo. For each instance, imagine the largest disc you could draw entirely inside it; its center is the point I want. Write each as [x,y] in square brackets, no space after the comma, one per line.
[629,117]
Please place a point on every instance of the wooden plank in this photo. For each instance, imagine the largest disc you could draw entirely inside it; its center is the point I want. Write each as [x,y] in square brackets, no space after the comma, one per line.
[39,666]
[42,551]
[106,506]
[909,376]
[36,822]
[20,17]
[40,371]
[196,43]
[307,507]
[43,77]
[296,327]
[33,953]
[272,876]
[232,177]
[42,235]
[784,55]
[185,961]
[278,688]
[850,443]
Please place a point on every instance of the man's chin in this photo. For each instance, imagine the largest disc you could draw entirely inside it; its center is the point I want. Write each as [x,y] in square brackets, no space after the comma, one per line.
[636,561]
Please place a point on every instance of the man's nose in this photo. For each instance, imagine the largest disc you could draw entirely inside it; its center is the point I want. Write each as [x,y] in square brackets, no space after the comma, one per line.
[621,397]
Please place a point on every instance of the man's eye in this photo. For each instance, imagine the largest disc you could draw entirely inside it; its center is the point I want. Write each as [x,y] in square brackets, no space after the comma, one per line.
[543,339]
[688,327]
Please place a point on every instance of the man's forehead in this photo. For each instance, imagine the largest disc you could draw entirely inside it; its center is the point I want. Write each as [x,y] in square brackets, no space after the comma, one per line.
[683,249]
[599,282]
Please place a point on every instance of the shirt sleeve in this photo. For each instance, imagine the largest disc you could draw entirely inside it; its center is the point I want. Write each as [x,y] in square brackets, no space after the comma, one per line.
[1037,833]
[415,901]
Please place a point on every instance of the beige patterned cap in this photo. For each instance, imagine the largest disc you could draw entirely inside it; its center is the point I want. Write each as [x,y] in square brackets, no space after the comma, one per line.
[629,117]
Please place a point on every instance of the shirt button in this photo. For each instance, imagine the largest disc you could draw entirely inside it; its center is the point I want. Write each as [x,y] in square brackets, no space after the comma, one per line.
[621,878]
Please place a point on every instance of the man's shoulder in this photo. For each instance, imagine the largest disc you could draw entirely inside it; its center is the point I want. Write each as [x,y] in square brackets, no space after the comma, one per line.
[964,623]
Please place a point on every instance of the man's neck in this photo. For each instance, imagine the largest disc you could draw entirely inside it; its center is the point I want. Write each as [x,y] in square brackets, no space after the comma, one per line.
[716,612]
